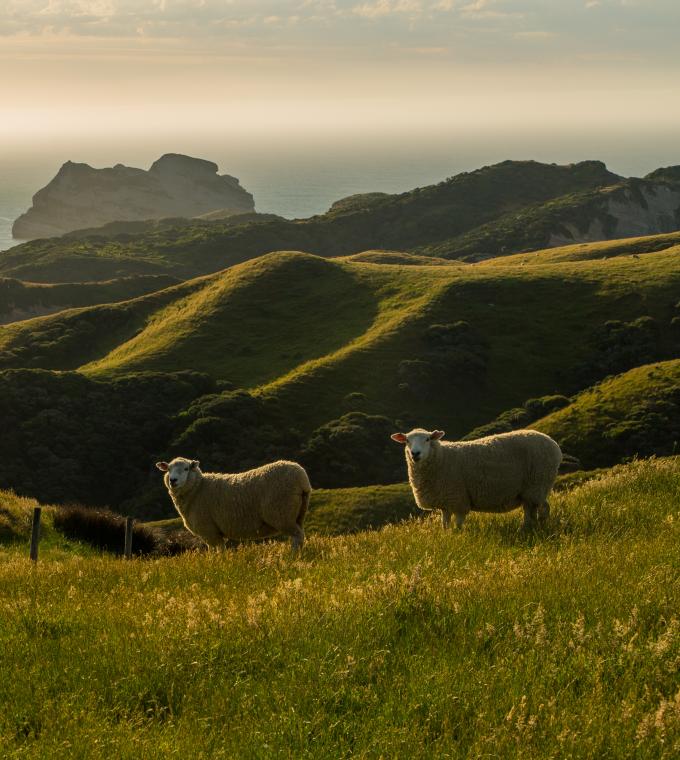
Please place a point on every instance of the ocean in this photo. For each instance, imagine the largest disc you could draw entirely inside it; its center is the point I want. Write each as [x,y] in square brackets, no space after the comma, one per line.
[299,179]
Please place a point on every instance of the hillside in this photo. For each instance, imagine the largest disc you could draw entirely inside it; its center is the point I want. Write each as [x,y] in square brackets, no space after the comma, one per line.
[25,300]
[406,642]
[634,246]
[421,217]
[629,208]
[376,346]
[636,413]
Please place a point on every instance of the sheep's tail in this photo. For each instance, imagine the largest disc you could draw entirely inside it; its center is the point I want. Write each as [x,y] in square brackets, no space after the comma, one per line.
[304,504]
[569,464]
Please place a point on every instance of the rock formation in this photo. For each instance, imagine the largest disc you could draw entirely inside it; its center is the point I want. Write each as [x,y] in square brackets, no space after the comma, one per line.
[175,185]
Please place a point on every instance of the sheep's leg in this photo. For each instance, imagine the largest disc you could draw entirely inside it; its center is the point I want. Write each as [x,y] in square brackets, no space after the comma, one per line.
[460,519]
[530,511]
[212,536]
[298,537]
[446,519]
[544,512]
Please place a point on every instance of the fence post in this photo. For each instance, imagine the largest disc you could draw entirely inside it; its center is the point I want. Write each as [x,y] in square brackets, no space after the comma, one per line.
[35,533]
[129,522]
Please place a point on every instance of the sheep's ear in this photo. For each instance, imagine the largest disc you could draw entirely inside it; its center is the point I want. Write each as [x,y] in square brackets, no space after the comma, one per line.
[162,466]
[437,435]
[194,464]
[398,437]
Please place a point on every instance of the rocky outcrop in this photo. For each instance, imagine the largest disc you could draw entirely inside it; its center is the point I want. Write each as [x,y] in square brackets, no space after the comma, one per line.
[175,186]
[634,208]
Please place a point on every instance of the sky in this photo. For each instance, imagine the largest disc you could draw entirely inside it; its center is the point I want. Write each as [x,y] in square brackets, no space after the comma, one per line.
[91,68]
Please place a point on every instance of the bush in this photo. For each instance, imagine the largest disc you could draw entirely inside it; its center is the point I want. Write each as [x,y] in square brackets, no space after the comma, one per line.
[620,346]
[519,417]
[454,353]
[69,438]
[234,431]
[354,450]
[103,529]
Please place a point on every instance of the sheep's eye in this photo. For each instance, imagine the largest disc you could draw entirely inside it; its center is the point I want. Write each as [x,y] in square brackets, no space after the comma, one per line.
[186,469]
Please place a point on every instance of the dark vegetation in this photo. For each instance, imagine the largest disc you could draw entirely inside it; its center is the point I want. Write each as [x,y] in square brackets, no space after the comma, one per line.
[103,529]
[69,438]
[534,226]
[520,417]
[452,354]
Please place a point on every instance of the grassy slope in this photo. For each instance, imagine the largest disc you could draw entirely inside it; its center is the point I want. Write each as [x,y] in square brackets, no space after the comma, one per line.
[15,530]
[419,217]
[408,642]
[598,417]
[22,300]
[589,251]
[263,326]
[515,310]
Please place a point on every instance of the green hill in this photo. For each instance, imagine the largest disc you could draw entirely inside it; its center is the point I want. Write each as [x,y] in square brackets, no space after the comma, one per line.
[293,355]
[598,213]
[24,300]
[634,246]
[421,217]
[405,642]
[636,413]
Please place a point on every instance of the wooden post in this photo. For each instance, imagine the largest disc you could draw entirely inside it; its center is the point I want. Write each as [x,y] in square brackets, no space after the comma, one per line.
[35,533]
[129,523]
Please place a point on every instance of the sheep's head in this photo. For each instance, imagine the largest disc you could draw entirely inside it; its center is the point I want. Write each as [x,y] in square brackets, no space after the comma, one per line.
[178,471]
[418,442]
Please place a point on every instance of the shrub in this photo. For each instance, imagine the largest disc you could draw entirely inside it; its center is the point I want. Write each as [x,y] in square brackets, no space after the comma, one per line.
[103,529]
[620,346]
[454,353]
[514,419]
[354,450]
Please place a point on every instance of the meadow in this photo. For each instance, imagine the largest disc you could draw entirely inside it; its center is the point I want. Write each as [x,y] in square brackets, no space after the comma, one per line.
[402,642]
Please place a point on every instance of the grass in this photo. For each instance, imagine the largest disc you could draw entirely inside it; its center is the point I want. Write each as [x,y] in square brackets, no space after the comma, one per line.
[635,413]
[605,249]
[23,300]
[405,642]
[16,514]
[260,326]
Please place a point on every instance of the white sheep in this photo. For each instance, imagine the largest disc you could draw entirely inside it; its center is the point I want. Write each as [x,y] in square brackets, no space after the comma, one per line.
[493,474]
[259,503]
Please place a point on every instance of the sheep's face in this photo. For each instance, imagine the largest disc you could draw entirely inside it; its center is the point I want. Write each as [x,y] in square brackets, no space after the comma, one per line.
[418,442]
[177,471]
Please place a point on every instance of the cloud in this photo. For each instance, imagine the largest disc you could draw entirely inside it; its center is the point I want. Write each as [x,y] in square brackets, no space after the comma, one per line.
[535,34]
[483,32]
[380,8]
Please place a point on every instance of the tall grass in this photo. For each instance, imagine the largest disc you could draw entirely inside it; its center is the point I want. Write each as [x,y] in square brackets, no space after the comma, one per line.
[404,642]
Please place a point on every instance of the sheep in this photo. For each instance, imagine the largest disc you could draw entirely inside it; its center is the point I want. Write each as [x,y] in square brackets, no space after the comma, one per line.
[259,503]
[493,474]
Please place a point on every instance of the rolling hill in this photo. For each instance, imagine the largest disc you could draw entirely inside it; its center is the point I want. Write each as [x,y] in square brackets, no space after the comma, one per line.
[320,359]
[636,413]
[24,300]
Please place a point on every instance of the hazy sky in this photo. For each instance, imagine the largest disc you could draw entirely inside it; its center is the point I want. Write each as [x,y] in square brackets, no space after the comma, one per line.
[303,66]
